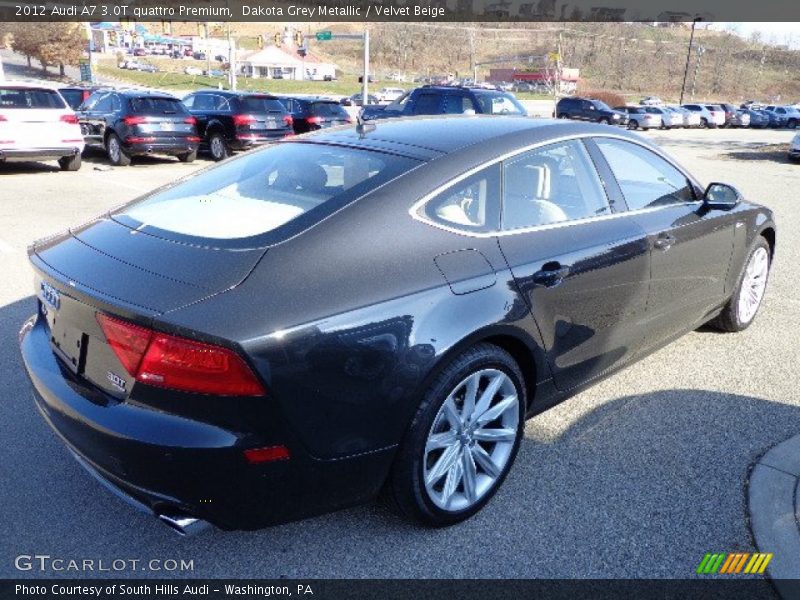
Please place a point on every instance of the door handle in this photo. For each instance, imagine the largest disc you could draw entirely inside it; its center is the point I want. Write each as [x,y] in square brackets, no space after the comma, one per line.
[551,274]
[664,242]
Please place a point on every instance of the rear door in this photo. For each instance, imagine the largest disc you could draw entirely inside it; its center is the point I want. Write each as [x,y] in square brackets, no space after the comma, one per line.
[428,103]
[690,246]
[32,118]
[583,268]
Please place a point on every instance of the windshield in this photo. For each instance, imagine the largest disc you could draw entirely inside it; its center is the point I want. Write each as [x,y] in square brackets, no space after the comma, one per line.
[263,191]
[499,103]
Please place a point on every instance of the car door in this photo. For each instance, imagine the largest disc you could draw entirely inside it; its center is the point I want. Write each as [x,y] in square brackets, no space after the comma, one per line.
[428,103]
[583,268]
[199,105]
[92,119]
[690,245]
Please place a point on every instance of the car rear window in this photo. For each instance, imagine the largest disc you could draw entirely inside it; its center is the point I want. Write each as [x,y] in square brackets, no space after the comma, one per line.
[500,104]
[261,104]
[329,109]
[157,106]
[15,97]
[286,185]
[73,97]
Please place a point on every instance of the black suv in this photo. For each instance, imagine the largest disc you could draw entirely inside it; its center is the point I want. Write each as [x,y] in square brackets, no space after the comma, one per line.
[310,114]
[134,122]
[447,99]
[228,121]
[587,109]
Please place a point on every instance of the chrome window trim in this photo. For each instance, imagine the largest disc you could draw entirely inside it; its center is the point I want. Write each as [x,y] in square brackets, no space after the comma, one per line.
[417,214]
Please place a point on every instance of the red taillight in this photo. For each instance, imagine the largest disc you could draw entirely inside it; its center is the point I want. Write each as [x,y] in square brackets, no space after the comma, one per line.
[128,341]
[268,454]
[289,120]
[314,120]
[139,140]
[178,363]
[190,121]
[71,119]
[2,118]
[240,120]
[135,120]
[193,138]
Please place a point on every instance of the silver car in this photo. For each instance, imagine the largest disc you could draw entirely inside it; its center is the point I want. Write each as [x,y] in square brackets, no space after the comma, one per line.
[689,119]
[668,118]
[640,118]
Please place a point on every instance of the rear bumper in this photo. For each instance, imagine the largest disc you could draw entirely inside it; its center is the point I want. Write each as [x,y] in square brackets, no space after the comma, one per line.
[243,142]
[164,463]
[174,146]
[794,153]
[24,154]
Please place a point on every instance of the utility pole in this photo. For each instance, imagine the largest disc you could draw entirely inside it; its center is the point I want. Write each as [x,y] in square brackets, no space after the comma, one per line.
[472,65]
[700,51]
[208,49]
[688,56]
[365,81]
[231,60]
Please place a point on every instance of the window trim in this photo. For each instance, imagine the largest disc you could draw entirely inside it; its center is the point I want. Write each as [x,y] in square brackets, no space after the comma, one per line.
[417,211]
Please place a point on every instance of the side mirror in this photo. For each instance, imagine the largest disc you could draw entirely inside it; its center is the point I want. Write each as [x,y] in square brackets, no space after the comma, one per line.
[721,195]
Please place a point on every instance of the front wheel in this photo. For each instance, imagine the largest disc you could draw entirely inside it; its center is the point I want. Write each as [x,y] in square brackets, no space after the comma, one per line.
[462,440]
[704,123]
[116,155]
[743,305]
[604,121]
[633,124]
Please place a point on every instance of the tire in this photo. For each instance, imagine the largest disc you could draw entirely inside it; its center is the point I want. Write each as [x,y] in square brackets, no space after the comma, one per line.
[187,157]
[633,124]
[218,148]
[70,163]
[733,318]
[440,502]
[116,155]
[604,121]
[792,124]
[703,123]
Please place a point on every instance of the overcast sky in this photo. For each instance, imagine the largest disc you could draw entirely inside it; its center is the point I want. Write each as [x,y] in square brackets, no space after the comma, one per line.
[776,33]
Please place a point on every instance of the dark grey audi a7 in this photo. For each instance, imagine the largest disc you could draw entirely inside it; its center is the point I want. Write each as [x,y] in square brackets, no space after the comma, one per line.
[370,308]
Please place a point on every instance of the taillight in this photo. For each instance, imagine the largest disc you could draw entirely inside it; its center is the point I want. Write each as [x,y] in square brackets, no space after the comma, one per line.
[190,121]
[178,363]
[267,454]
[135,120]
[314,120]
[289,120]
[240,120]
[71,119]
[2,118]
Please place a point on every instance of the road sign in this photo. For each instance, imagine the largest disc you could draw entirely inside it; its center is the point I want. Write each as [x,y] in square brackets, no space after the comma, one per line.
[554,56]
[86,69]
[324,36]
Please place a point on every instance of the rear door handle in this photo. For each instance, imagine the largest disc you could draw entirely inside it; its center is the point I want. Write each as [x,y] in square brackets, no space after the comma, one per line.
[664,241]
[551,274]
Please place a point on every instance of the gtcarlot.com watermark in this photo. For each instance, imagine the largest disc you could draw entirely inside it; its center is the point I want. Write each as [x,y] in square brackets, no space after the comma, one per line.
[55,564]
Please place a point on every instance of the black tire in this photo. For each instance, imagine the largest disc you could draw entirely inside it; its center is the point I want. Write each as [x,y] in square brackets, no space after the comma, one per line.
[218,147]
[633,124]
[703,123]
[405,488]
[604,121]
[70,163]
[792,124]
[187,157]
[728,320]
[116,155]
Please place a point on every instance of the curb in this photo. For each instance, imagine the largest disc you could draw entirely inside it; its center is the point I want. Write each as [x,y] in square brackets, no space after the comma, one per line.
[774,513]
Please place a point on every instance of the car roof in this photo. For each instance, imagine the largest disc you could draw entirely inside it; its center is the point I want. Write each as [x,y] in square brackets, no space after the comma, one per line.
[136,93]
[235,93]
[427,137]
[27,84]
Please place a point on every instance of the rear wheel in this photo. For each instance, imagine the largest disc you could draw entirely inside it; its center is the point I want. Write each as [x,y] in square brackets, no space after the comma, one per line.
[70,163]
[632,124]
[218,147]
[604,121]
[741,309]
[462,440]
[792,123]
[116,154]
[188,157]
[703,122]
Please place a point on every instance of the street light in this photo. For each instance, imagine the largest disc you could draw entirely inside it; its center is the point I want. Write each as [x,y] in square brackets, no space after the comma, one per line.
[688,56]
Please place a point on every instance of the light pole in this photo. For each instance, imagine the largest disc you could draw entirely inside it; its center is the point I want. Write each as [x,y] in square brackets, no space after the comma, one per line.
[688,56]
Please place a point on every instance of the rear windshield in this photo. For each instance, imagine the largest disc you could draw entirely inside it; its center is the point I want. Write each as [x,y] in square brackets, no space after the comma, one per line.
[261,104]
[329,109]
[500,104]
[157,106]
[11,97]
[263,191]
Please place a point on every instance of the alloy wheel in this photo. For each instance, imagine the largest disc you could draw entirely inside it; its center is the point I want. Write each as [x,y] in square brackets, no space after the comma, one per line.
[471,440]
[217,148]
[114,149]
[751,292]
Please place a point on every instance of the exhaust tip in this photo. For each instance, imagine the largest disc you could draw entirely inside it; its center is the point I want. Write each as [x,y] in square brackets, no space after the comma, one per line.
[183,525]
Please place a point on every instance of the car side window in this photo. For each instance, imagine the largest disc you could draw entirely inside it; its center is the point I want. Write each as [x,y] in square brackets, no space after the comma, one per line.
[551,184]
[456,104]
[104,104]
[116,105]
[646,179]
[428,104]
[188,102]
[471,204]
[203,102]
[221,104]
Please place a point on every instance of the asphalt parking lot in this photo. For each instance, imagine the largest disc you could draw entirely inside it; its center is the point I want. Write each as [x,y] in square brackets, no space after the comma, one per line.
[638,477]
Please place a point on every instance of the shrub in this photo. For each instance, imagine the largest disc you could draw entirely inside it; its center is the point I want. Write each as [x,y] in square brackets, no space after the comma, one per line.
[610,98]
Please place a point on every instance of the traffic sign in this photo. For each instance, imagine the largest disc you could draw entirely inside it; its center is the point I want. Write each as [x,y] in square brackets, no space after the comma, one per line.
[324,36]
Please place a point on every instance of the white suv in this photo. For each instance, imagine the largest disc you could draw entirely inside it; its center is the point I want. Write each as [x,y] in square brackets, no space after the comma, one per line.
[37,124]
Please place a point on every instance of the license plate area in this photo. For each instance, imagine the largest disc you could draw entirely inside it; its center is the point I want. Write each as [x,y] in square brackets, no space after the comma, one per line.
[68,342]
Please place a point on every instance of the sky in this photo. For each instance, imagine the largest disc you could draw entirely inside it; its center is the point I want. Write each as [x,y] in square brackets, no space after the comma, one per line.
[776,33]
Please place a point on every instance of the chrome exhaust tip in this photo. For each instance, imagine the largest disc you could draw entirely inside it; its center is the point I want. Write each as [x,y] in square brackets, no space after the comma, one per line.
[183,525]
